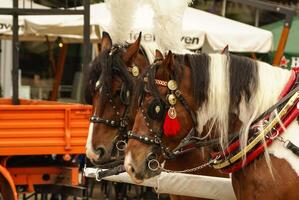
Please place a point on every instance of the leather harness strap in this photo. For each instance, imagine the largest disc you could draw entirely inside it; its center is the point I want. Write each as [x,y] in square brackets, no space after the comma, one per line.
[261,135]
[231,159]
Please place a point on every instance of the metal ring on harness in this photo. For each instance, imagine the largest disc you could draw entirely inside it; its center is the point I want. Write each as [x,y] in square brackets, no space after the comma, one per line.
[121,145]
[273,136]
[155,163]
[99,170]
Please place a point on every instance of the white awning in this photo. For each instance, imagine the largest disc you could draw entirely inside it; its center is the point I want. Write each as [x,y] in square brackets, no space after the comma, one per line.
[199,28]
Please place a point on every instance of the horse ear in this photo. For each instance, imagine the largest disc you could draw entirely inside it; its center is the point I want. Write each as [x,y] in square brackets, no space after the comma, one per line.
[132,50]
[106,42]
[168,61]
[158,55]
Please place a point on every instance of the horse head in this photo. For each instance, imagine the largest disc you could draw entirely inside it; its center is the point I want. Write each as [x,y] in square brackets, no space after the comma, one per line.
[164,116]
[109,89]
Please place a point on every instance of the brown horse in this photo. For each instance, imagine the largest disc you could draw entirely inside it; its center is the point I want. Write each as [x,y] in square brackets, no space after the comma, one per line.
[194,89]
[109,89]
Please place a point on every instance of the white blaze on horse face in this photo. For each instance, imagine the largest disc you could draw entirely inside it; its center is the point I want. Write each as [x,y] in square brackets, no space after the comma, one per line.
[90,153]
[278,150]
[128,164]
[128,160]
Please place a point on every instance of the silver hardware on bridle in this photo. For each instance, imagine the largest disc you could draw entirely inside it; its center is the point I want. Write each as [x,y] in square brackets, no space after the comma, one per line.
[153,165]
[121,145]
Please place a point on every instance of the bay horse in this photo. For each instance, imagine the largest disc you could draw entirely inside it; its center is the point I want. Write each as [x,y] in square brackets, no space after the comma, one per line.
[109,88]
[181,93]
[103,137]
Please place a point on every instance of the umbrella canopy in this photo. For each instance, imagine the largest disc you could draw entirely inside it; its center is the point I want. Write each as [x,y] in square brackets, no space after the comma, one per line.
[292,46]
[199,28]
[6,20]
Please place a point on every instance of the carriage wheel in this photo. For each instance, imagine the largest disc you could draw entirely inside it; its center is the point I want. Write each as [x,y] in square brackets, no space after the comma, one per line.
[6,191]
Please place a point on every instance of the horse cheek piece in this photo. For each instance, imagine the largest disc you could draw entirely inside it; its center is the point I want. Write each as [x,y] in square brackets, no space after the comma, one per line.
[171,126]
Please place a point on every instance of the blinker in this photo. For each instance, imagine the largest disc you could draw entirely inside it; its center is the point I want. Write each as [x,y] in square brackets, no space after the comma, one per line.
[156,110]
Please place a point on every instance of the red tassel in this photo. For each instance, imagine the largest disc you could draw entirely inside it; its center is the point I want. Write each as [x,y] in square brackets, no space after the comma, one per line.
[171,127]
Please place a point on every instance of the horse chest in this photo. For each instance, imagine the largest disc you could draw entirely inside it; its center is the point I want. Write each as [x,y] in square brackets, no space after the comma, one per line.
[278,150]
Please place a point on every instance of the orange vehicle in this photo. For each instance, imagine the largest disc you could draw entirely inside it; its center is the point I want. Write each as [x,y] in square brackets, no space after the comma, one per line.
[41,134]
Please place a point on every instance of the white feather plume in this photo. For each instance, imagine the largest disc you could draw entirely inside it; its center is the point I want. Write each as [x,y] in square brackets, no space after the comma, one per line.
[122,16]
[168,23]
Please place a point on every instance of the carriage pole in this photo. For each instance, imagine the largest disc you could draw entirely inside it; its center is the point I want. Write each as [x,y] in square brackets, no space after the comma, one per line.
[15,54]
[86,42]
[283,39]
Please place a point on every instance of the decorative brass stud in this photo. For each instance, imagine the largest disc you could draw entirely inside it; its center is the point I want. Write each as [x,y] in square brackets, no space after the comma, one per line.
[171,99]
[135,71]
[97,83]
[128,93]
[157,109]
[172,85]
[172,113]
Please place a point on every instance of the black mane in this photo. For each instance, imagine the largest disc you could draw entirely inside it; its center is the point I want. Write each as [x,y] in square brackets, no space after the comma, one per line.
[104,67]
[243,80]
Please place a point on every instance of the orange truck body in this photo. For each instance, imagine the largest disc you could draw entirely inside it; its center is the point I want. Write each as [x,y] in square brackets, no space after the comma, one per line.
[42,127]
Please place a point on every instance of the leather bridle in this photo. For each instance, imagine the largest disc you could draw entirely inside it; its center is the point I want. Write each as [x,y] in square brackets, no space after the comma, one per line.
[155,136]
[121,121]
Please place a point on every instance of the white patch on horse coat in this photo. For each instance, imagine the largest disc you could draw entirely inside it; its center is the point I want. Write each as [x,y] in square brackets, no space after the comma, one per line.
[278,150]
[271,81]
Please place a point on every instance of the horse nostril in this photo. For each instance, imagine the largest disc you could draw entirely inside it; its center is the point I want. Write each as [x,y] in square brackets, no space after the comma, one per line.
[101,151]
[131,168]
